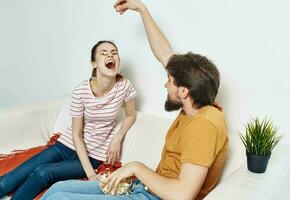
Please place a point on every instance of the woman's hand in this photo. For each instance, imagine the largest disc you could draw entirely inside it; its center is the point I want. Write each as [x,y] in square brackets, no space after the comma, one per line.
[122,5]
[93,177]
[114,149]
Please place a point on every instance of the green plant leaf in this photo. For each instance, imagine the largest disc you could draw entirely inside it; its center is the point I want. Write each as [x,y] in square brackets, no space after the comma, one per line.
[260,136]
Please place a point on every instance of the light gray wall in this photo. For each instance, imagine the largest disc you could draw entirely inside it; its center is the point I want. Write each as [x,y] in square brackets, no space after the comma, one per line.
[45,50]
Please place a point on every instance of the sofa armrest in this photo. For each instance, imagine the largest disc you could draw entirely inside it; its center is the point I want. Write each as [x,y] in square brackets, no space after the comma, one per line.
[271,185]
[26,126]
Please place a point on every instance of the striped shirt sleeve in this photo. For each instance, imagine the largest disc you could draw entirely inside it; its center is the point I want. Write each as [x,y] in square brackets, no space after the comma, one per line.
[77,105]
[130,92]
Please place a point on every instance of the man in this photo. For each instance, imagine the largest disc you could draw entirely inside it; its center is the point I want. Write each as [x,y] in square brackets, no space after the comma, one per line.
[196,143]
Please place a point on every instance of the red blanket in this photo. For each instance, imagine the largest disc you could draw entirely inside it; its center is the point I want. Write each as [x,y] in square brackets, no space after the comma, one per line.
[10,161]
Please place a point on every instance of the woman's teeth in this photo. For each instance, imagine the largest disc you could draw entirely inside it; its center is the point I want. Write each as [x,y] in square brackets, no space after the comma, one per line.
[110,64]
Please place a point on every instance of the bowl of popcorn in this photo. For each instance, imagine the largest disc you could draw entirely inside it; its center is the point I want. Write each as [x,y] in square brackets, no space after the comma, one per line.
[124,187]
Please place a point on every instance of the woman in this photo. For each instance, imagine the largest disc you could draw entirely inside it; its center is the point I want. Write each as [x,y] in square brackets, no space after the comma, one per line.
[90,140]
[91,190]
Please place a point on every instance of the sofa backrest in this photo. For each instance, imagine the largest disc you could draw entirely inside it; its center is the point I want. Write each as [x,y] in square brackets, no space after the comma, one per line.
[145,139]
[26,126]
[143,142]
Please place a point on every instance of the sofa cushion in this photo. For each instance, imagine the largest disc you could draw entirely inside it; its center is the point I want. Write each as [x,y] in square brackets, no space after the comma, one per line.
[145,139]
[63,119]
[235,157]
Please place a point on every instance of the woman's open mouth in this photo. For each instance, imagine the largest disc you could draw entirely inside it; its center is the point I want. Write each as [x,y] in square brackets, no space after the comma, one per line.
[110,64]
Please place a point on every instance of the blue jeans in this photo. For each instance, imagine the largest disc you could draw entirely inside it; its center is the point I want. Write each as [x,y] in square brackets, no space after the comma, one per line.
[56,163]
[90,190]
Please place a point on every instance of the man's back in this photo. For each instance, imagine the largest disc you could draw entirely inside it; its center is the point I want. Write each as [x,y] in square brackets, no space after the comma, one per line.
[200,140]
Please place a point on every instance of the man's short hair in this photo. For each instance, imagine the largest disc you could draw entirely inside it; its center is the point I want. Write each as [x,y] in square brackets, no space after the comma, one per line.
[198,74]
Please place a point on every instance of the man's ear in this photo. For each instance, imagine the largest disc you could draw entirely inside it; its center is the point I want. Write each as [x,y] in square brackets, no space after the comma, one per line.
[183,92]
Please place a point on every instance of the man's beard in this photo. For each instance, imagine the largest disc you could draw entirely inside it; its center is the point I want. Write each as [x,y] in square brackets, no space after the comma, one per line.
[171,105]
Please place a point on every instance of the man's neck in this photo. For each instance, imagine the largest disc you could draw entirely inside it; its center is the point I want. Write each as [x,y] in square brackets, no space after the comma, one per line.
[190,109]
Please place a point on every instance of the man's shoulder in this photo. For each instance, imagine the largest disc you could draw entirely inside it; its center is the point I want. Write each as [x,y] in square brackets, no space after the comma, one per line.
[208,119]
[210,114]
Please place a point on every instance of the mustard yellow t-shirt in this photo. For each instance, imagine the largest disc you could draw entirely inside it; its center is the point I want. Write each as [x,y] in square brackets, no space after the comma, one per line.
[201,140]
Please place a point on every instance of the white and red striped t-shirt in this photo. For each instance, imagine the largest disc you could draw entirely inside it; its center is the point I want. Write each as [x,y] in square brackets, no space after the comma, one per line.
[100,115]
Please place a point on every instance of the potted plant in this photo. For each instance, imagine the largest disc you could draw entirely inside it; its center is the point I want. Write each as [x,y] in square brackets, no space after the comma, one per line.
[259,140]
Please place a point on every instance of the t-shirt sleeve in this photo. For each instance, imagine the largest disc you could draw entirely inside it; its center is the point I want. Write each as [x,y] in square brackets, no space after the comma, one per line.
[199,143]
[130,91]
[77,105]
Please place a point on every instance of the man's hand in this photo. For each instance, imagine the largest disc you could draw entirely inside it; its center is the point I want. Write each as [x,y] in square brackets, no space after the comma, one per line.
[114,149]
[122,5]
[114,179]
[159,44]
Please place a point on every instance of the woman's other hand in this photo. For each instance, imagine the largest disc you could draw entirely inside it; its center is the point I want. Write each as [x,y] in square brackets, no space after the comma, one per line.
[114,149]
[93,177]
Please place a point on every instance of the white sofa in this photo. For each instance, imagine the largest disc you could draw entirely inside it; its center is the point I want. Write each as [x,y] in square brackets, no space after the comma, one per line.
[22,127]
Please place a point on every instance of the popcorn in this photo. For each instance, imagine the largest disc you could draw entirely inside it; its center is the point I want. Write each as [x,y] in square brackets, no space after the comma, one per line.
[123,188]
